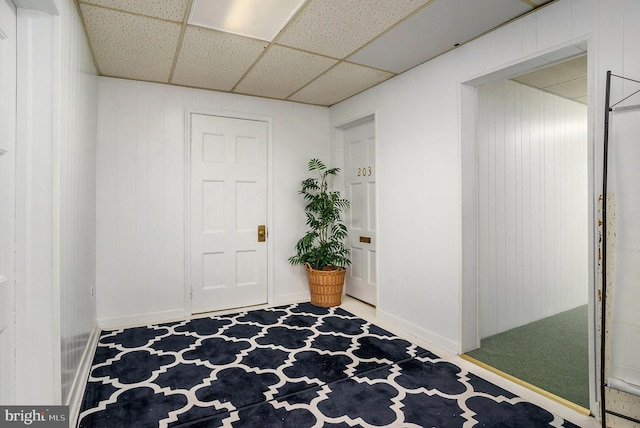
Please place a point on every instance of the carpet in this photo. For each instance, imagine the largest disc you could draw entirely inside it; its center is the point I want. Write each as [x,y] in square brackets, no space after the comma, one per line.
[290,366]
[552,354]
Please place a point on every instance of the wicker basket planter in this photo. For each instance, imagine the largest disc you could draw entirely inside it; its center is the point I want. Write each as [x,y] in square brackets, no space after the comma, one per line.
[326,286]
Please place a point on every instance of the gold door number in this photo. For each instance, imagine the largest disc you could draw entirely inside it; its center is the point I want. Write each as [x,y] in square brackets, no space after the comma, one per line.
[364,171]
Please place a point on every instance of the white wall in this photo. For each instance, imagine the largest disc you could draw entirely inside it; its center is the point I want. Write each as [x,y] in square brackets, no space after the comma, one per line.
[37,303]
[531,151]
[141,200]
[419,151]
[7,200]
[55,204]
[75,204]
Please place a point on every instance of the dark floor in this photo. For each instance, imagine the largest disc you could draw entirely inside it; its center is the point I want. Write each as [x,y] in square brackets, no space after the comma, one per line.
[289,366]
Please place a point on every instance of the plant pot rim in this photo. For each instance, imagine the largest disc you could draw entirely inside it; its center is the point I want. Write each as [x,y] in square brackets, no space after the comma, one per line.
[326,269]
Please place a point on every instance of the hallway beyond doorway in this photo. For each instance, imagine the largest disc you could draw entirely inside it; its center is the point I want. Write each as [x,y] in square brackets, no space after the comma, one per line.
[551,354]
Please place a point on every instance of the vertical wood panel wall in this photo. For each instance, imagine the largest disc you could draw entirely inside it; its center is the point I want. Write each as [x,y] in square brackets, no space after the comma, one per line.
[141,193]
[75,180]
[140,253]
[532,205]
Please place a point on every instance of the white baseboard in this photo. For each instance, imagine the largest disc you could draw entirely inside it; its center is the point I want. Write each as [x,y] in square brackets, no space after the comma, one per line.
[141,319]
[420,332]
[74,400]
[285,299]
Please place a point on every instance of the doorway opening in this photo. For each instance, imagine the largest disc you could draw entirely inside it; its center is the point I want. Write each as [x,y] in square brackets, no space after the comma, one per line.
[528,261]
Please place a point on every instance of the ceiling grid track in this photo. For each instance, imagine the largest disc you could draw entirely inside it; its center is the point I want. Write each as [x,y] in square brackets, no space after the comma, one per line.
[181,38]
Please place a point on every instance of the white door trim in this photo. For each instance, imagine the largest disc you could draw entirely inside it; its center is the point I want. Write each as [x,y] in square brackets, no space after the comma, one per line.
[187,194]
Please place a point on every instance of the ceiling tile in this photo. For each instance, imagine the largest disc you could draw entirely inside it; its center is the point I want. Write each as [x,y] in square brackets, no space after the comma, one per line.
[337,28]
[570,89]
[435,29]
[173,10]
[567,79]
[282,71]
[148,40]
[214,60]
[131,46]
[339,83]
[555,74]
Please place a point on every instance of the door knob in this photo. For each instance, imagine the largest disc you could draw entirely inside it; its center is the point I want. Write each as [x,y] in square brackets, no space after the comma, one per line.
[262,233]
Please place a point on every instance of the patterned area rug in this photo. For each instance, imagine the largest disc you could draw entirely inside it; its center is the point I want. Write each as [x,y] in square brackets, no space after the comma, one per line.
[289,366]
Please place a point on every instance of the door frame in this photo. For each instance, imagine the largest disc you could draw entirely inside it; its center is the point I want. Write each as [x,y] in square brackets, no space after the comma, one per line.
[8,366]
[337,158]
[187,193]
[469,314]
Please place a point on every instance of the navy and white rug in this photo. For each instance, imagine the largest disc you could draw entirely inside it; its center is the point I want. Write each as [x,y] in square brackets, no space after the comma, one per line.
[290,366]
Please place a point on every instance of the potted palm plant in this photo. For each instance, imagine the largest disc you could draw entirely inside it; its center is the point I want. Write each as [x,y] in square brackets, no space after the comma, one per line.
[322,249]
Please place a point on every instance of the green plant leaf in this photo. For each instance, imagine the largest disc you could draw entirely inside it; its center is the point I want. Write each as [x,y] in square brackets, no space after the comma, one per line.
[315,164]
[324,243]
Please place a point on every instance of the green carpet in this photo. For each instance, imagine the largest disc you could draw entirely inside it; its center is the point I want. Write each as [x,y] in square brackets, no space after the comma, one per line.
[551,354]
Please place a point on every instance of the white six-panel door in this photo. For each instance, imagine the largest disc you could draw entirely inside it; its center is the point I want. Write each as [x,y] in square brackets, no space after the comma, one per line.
[228,204]
[360,187]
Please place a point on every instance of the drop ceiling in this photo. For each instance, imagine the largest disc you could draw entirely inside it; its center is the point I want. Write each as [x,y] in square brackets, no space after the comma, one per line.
[567,79]
[329,50]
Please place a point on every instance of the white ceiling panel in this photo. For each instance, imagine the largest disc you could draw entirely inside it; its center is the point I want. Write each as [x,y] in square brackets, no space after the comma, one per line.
[337,28]
[429,32]
[214,60]
[282,71]
[339,83]
[556,74]
[172,10]
[316,52]
[123,46]
[571,89]
[567,79]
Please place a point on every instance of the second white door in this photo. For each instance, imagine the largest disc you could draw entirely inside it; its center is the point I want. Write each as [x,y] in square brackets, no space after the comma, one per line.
[360,186]
[228,213]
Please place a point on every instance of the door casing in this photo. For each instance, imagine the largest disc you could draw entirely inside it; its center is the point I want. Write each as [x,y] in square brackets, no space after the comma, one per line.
[8,113]
[469,325]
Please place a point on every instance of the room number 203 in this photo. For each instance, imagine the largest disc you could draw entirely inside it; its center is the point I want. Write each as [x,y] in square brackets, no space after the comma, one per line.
[364,171]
